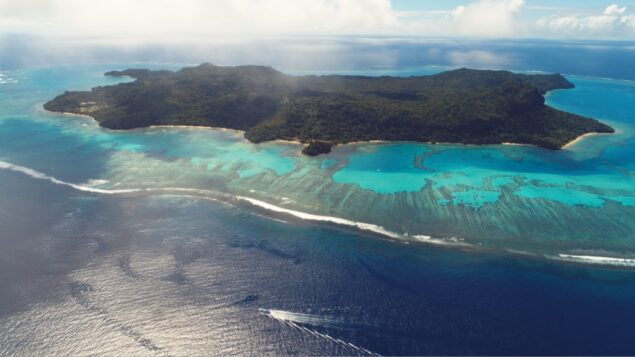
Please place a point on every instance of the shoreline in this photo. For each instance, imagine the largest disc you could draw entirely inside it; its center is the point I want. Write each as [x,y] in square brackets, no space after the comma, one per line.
[298,142]
[582,137]
[517,144]
[191,127]
[74,114]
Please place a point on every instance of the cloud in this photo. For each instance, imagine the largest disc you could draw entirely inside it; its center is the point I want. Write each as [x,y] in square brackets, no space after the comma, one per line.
[225,18]
[157,18]
[614,10]
[479,18]
[613,21]
[218,20]
[488,18]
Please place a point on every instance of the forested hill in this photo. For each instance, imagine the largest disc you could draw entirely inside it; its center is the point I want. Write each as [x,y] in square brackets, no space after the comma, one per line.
[459,106]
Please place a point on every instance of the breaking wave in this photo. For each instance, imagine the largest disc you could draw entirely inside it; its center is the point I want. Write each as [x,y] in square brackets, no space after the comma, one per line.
[597,260]
[320,218]
[361,226]
[208,194]
[41,176]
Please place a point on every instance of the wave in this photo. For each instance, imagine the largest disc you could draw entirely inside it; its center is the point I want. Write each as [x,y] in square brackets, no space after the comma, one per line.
[452,241]
[598,260]
[298,320]
[8,80]
[42,176]
[95,182]
[320,218]
[362,226]
[200,192]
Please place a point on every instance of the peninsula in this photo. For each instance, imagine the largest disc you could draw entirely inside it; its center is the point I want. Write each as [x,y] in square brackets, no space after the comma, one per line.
[460,106]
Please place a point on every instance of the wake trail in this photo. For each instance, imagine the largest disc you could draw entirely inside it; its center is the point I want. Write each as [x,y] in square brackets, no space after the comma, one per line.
[295,320]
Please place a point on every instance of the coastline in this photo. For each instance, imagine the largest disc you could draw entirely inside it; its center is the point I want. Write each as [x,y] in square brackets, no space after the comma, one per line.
[582,137]
[236,131]
[517,144]
[191,127]
[298,142]
[74,114]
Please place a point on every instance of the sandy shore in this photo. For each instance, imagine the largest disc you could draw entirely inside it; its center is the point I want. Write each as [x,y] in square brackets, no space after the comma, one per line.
[516,144]
[582,137]
[298,142]
[192,127]
[75,115]
[197,127]
[366,142]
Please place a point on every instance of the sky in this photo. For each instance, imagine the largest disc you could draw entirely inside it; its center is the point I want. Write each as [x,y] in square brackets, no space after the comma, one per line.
[175,19]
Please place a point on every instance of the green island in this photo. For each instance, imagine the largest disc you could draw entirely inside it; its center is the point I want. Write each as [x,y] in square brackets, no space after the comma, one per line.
[460,106]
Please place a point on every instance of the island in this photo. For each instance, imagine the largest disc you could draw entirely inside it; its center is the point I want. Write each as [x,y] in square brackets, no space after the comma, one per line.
[460,106]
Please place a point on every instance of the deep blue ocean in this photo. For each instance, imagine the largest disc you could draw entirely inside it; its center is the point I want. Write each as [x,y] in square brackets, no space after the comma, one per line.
[185,241]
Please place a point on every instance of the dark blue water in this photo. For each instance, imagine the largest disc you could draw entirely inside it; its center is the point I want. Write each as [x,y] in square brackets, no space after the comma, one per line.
[167,275]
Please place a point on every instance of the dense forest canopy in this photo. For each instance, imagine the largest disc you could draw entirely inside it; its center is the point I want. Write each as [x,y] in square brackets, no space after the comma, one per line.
[459,106]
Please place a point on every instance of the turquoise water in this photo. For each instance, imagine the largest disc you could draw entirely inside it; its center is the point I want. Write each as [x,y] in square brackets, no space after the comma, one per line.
[579,201]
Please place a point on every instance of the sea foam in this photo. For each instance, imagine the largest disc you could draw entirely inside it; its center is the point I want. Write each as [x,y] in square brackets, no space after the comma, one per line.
[42,176]
[598,260]
[320,218]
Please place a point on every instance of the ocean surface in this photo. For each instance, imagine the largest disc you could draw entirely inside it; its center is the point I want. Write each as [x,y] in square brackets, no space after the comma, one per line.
[190,241]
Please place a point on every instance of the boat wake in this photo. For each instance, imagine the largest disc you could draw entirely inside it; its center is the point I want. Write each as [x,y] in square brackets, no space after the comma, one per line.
[304,322]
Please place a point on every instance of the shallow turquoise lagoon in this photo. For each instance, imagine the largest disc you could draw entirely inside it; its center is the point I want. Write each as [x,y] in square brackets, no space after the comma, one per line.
[578,201]
[385,168]
[594,168]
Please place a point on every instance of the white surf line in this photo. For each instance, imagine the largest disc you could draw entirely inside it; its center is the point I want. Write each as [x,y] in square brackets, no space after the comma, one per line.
[320,218]
[41,176]
[598,260]
[448,242]
[292,319]
[190,192]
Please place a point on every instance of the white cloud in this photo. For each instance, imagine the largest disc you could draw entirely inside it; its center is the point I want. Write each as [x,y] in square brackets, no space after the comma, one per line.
[208,17]
[478,18]
[613,21]
[226,18]
[614,10]
[220,19]
[488,18]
